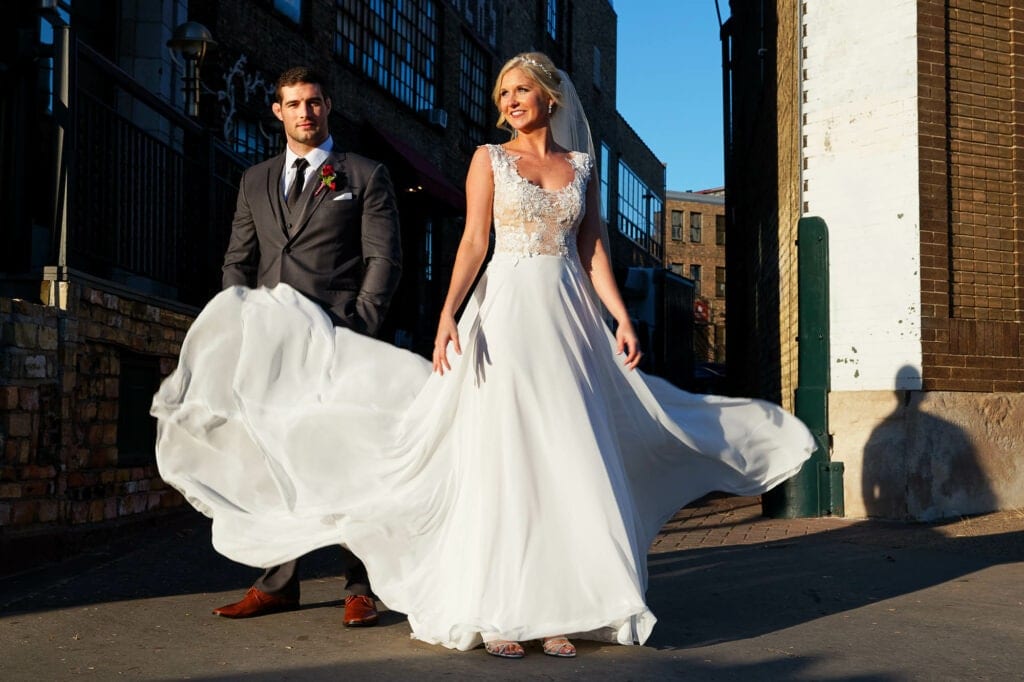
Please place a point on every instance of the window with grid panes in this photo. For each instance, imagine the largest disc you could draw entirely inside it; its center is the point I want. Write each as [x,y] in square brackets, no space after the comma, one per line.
[606,160]
[552,19]
[720,282]
[249,140]
[695,225]
[393,42]
[695,276]
[720,230]
[473,100]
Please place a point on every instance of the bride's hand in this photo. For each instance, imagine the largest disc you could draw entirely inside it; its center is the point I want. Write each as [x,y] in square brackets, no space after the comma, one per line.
[447,331]
[627,342]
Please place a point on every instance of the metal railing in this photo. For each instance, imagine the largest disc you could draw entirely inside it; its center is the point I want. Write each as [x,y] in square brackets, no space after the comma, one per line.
[640,236]
[149,208]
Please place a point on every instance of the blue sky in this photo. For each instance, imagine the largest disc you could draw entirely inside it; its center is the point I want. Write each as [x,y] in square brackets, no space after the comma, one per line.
[670,85]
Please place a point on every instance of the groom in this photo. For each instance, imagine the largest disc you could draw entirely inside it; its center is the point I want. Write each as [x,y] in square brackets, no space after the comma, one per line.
[325,222]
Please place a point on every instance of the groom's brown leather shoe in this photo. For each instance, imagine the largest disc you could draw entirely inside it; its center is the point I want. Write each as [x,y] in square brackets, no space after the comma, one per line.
[257,603]
[360,611]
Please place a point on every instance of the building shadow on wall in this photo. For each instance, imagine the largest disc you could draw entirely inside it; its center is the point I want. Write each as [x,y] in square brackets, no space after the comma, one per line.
[920,466]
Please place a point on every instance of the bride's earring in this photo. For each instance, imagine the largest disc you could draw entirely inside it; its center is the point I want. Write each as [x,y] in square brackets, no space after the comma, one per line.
[550,107]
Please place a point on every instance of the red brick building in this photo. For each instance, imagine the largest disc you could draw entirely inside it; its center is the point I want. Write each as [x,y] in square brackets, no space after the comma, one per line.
[695,248]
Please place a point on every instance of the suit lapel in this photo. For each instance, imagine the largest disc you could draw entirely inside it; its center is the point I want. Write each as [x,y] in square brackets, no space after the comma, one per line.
[314,195]
[274,192]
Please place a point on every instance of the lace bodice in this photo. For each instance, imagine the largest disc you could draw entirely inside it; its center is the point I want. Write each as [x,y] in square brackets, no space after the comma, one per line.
[530,220]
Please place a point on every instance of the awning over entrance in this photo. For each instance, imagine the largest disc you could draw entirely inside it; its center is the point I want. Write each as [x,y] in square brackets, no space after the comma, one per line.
[429,176]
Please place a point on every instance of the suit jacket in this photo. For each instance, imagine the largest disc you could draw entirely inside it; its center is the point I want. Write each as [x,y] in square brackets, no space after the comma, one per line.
[340,247]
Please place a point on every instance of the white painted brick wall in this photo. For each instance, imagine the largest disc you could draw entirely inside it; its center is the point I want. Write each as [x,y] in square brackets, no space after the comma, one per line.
[861,177]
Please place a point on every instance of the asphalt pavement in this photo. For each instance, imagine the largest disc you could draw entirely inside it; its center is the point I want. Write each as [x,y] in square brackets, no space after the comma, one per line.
[738,597]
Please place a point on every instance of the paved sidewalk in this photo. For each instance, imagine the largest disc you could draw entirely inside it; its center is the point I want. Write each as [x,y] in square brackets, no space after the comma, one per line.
[739,597]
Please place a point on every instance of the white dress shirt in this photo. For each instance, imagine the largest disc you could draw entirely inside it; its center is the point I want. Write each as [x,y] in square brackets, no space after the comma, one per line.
[315,158]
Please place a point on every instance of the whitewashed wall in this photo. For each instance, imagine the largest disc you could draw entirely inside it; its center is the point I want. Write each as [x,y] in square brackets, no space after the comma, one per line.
[861,177]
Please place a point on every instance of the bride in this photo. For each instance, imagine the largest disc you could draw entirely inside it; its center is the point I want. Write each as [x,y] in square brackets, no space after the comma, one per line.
[511,494]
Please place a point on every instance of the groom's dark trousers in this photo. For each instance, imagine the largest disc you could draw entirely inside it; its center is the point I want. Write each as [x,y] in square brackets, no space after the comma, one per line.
[340,247]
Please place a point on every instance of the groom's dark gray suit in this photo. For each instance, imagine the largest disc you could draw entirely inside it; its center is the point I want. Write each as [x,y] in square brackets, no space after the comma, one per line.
[340,247]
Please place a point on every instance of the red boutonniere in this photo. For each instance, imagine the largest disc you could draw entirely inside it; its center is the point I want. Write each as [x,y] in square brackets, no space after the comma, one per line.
[326,179]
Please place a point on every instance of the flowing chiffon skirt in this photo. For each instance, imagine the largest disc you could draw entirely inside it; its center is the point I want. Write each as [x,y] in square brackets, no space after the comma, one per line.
[516,495]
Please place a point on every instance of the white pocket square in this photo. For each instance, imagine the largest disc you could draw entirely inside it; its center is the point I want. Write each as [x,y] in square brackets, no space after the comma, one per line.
[347,196]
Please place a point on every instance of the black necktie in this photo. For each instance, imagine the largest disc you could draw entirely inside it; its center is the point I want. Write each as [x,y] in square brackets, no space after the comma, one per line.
[300,178]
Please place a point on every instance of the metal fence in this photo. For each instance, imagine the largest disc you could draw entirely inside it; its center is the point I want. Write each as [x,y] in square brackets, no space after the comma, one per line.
[640,236]
[149,207]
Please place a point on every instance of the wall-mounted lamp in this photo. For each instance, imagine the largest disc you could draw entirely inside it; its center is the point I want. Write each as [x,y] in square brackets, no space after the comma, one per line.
[191,41]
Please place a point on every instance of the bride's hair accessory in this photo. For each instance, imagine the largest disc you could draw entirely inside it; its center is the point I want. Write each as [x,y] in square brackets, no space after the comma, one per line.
[527,59]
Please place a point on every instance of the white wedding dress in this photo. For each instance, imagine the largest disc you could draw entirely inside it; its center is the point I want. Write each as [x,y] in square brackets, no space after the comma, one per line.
[516,495]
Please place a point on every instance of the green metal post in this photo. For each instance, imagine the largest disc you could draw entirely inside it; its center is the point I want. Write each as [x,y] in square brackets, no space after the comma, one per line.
[817,490]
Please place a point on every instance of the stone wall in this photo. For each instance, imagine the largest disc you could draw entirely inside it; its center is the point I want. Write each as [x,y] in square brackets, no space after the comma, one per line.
[65,464]
[928,455]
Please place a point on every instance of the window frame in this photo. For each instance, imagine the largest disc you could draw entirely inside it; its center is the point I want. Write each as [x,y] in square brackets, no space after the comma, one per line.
[696,226]
[677,225]
[474,97]
[551,16]
[394,43]
[283,7]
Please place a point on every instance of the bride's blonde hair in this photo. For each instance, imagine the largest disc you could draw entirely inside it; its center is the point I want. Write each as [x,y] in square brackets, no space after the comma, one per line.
[540,69]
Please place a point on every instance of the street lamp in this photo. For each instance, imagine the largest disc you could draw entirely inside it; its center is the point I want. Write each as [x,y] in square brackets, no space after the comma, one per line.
[190,41]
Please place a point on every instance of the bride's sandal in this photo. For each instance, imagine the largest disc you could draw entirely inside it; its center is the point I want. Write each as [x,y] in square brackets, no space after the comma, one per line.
[503,648]
[560,647]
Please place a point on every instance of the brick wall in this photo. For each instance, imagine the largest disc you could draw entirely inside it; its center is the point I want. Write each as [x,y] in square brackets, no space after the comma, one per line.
[62,474]
[970,104]
[789,87]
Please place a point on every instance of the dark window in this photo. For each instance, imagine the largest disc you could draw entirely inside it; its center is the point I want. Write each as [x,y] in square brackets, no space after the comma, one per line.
[136,429]
[46,39]
[482,15]
[606,169]
[473,98]
[428,250]
[597,67]
[695,225]
[677,225]
[695,276]
[720,230]
[394,42]
[676,268]
[720,282]
[290,8]
[251,141]
[551,22]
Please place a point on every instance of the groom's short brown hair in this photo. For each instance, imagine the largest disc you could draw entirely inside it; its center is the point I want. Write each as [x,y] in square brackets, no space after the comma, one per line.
[299,74]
